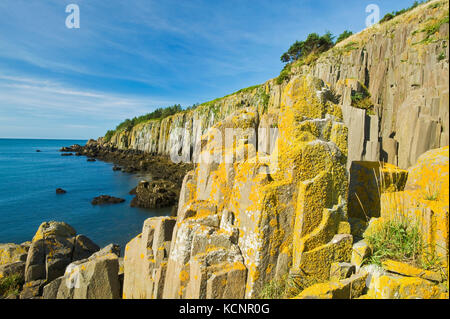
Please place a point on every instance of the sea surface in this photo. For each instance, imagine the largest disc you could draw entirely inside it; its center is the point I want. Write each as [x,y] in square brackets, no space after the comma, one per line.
[28,180]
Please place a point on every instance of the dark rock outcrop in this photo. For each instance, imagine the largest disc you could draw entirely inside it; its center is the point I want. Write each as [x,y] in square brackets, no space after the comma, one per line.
[106,199]
[155,194]
[72,148]
[60,191]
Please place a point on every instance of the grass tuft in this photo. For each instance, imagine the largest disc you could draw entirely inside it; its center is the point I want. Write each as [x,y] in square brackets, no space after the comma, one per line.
[399,240]
[11,285]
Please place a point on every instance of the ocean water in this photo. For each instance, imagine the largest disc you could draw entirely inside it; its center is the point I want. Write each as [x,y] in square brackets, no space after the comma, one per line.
[28,180]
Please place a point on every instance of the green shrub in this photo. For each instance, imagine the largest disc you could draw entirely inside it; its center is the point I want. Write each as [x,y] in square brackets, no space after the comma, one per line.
[284,74]
[109,135]
[11,285]
[344,35]
[351,46]
[314,43]
[362,100]
[387,17]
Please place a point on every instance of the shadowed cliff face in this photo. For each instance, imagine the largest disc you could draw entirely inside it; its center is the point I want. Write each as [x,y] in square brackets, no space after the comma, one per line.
[404,69]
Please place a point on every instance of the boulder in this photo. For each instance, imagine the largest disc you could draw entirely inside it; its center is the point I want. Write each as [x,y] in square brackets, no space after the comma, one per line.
[106,199]
[54,229]
[96,278]
[60,191]
[54,246]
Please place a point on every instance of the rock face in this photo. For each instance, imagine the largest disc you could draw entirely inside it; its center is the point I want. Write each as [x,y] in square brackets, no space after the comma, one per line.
[145,260]
[407,80]
[247,215]
[54,246]
[93,278]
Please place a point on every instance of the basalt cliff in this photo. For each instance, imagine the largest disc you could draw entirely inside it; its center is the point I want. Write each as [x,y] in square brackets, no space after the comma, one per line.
[298,195]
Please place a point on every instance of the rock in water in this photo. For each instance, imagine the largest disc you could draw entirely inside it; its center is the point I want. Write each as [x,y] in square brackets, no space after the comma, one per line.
[60,191]
[73,148]
[106,199]
[67,154]
[155,194]
[91,160]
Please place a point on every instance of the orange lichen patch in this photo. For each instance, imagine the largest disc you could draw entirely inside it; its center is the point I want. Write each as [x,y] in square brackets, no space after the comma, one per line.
[184,275]
[411,271]
[394,287]
[300,96]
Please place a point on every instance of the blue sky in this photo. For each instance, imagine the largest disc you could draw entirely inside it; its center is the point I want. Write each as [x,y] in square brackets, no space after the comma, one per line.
[130,57]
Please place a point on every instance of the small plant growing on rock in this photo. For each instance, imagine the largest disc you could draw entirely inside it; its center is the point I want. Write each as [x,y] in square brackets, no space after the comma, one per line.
[11,285]
[398,239]
[363,100]
[274,289]
[288,286]
[431,192]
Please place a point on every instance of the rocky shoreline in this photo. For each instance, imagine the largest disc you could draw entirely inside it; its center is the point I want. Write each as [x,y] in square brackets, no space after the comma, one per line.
[165,177]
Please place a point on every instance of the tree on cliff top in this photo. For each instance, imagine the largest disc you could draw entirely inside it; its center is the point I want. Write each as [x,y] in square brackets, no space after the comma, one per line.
[344,35]
[314,44]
